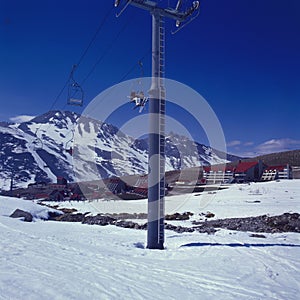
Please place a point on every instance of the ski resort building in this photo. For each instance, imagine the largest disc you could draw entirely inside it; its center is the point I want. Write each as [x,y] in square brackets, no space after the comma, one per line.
[244,171]
[248,171]
[61,181]
[141,186]
[115,185]
[58,195]
[277,172]
[296,172]
[217,174]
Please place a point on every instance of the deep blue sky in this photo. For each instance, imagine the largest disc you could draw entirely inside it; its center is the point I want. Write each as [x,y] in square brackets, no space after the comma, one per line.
[242,56]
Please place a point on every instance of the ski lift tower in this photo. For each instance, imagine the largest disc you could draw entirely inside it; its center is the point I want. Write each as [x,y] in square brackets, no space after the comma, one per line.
[157,104]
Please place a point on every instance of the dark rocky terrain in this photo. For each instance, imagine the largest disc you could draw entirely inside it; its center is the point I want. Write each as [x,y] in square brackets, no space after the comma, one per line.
[287,222]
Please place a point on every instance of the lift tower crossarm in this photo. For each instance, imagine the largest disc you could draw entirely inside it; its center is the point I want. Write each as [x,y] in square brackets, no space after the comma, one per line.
[165,12]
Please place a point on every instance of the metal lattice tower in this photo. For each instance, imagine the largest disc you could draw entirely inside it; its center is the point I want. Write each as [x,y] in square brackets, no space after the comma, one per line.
[157,111]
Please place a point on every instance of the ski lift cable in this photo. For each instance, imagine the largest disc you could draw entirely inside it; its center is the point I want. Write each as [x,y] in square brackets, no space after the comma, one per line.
[106,51]
[54,103]
[140,80]
[79,86]
[74,87]
[83,55]
[97,62]
[125,76]
[135,66]
[95,36]
[102,56]
[106,16]
[140,64]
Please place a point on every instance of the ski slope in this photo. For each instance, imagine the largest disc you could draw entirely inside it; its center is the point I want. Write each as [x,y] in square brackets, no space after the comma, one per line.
[53,260]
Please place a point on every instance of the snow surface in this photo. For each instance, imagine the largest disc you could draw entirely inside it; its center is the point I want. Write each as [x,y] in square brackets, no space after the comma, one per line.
[58,260]
[239,200]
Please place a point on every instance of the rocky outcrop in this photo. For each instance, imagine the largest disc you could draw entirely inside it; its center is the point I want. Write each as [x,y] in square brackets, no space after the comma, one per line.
[101,220]
[25,215]
[178,216]
[69,217]
[288,222]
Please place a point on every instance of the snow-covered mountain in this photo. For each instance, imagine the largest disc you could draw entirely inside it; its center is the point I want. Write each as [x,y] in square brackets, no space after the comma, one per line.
[39,150]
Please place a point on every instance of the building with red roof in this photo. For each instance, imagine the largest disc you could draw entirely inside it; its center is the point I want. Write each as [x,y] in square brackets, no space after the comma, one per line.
[244,171]
[277,172]
[247,171]
[217,174]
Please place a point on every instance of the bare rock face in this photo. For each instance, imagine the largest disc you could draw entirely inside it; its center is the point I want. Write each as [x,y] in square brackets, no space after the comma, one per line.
[19,213]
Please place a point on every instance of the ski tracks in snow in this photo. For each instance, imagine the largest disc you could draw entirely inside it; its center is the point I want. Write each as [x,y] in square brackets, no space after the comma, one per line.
[53,260]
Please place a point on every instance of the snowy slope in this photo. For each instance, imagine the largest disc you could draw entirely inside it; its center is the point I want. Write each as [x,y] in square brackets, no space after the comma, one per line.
[9,205]
[52,260]
[35,151]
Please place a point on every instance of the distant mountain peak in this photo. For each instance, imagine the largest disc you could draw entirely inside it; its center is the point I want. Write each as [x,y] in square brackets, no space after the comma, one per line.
[37,150]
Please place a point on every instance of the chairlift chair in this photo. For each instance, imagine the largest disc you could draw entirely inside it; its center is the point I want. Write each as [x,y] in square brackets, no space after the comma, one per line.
[75,91]
[75,94]
[68,146]
[138,97]
[37,144]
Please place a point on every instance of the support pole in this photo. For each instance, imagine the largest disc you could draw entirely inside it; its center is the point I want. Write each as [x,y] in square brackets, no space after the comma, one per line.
[157,104]
[156,159]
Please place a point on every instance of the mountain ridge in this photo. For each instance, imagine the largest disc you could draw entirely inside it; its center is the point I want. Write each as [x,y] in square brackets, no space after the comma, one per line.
[40,150]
